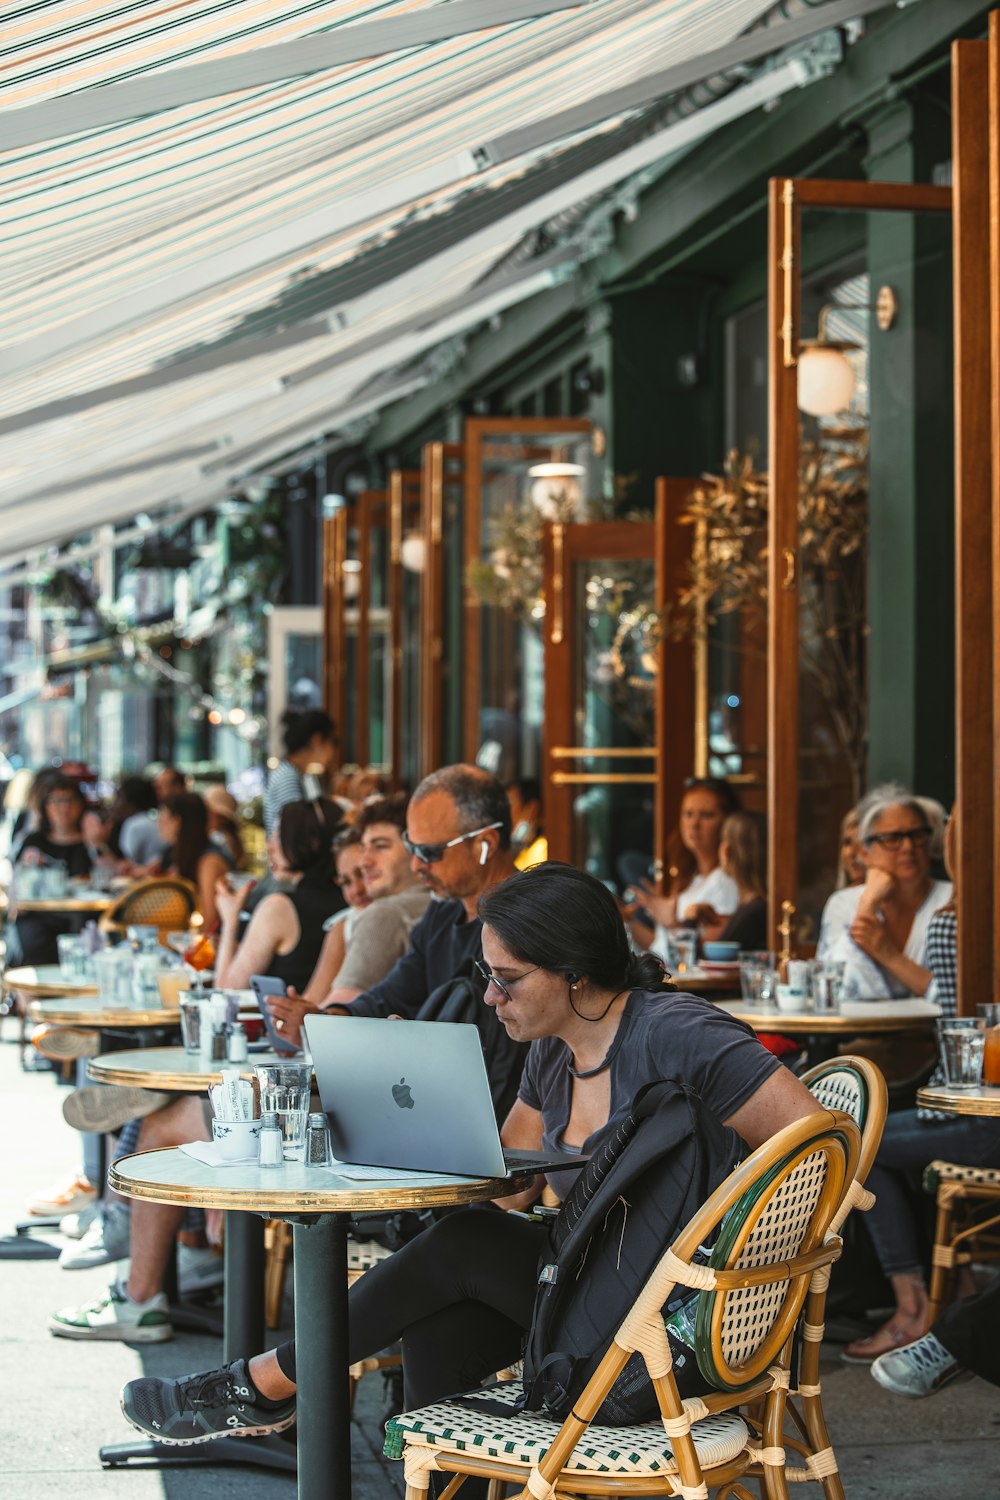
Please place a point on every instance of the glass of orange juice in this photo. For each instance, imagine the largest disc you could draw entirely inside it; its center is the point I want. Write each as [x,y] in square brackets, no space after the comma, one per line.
[991,1049]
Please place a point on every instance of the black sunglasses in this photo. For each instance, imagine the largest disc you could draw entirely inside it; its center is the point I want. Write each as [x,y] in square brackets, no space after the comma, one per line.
[429,854]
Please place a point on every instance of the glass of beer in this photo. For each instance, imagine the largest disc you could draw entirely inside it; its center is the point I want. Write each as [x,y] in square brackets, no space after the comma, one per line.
[991,1047]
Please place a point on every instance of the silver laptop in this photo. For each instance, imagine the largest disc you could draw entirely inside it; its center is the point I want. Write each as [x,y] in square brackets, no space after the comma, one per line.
[413,1094]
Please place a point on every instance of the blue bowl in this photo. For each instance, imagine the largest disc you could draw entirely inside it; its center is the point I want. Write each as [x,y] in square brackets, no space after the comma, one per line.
[722,953]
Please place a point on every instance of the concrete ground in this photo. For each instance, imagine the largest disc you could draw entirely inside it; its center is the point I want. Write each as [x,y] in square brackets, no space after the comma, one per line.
[60,1398]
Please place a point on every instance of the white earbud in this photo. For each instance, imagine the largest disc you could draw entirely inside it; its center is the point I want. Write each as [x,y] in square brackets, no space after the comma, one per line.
[484,850]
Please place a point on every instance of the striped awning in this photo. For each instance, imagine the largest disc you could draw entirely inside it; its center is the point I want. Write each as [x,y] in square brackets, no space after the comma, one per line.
[221,219]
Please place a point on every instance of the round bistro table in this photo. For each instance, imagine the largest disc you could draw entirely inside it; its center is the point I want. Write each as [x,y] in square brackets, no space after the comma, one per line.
[823,1029]
[319,1201]
[46,981]
[83,900]
[169,1068]
[984,1100]
[84,1009]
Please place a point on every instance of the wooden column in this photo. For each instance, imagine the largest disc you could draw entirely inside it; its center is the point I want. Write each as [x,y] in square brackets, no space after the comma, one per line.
[675,682]
[334,674]
[974,584]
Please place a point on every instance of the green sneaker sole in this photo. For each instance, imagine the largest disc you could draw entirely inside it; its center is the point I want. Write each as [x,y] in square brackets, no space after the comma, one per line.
[120,1333]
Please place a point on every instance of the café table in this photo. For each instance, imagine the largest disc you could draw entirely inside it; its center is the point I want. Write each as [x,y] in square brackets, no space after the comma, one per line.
[83,1008]
[699,981]
[81,899]
[169,1068]
[318,1201]
[824,1029]
[45,981]
[984,1100]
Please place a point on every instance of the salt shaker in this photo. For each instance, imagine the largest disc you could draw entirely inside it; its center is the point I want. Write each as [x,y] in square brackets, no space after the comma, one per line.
[318,1152]
[237,1047]
[269,1152]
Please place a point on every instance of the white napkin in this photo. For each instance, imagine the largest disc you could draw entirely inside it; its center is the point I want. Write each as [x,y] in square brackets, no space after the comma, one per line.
[207,1152]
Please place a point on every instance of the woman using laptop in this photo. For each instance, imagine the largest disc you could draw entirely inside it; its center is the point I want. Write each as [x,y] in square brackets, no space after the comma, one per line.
[601,1023]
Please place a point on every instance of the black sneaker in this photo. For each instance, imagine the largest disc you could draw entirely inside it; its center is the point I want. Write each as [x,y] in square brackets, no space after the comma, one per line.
[197,1408]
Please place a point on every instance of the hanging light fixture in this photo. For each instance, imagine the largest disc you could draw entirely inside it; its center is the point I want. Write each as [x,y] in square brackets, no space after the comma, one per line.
[826,375]
[412,552]
[351,574]
[556,492]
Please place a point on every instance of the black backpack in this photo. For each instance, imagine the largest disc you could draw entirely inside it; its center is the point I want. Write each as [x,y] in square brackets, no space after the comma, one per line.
[652,1174]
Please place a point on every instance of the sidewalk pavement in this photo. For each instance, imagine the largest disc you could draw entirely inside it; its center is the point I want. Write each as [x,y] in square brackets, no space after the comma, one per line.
[61,1397]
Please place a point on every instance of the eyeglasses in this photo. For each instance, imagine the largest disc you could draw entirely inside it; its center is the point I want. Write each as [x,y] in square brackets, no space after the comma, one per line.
[429,854]
[917,837]
[499,984]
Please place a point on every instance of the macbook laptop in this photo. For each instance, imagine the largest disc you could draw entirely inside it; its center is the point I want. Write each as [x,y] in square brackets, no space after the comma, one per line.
[413,1094]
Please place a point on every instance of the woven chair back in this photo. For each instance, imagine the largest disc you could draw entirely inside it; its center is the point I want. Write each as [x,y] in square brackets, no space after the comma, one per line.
[166,903]
[781,1214]
[856,1086]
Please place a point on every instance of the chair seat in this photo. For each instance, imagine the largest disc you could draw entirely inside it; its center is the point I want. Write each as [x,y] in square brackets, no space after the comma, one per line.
[363,1254]
[524,1437]
[937,1172]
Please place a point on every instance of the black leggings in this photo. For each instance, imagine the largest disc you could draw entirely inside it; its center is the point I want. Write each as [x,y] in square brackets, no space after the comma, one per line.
[459,1296]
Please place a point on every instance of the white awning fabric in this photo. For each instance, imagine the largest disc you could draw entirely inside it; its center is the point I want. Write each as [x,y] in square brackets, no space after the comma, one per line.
[168,275]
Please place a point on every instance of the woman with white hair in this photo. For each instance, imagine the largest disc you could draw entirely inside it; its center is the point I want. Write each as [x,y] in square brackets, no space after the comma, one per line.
[879,928]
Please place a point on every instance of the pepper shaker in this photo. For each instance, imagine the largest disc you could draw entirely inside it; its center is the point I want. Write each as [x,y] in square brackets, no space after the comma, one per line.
[318,1152]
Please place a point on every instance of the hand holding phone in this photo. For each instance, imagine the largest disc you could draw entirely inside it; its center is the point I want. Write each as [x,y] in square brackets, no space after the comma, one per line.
[266,989]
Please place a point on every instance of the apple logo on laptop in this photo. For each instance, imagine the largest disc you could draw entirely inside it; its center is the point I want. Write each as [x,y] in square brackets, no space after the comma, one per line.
[401,1094]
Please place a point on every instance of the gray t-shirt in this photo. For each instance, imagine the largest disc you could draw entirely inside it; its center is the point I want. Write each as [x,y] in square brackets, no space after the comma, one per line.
[660,1036]
[381,934]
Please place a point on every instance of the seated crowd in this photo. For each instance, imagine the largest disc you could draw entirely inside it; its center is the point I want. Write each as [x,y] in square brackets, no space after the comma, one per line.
[371,905]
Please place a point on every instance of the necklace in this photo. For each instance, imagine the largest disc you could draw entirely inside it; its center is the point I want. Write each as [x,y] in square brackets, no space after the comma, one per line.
[589,1072]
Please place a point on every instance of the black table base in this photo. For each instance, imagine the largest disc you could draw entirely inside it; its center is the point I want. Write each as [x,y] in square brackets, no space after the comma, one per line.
[265,1452]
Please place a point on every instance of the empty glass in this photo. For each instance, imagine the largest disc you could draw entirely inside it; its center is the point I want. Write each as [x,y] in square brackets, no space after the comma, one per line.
[758,978]
[146,980]
[826,984]
[284,1090]
[71,955]
[963,1039]
[143,939]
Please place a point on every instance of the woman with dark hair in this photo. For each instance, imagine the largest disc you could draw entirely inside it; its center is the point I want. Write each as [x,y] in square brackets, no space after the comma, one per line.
[58,840]
[183,826]
[285,933]
[696,876]
[562,976]
[310,748]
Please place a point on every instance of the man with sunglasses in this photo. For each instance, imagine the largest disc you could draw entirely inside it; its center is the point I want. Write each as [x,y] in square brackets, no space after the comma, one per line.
[458,838]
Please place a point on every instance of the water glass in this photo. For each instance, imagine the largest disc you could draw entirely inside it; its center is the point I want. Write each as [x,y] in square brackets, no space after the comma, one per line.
[826,984]
[143,939]
[758,978]
[684,948]
[146,980]
[70,954]
[113,968]
[190,1009]
[56,881]
[963,1039]
[284,1090]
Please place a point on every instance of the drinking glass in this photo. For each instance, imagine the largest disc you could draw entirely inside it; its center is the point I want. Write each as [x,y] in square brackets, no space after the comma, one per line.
[991,1048]
[190,1009]
[684,945]
[284,1089]
[826,984]
[143,939]
[758,977]
[68,946]
[963,1039]
[113,968]
[146,980]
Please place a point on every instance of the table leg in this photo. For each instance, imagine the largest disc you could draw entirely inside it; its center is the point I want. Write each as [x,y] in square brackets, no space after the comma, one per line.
[243,1333]
[323,1420]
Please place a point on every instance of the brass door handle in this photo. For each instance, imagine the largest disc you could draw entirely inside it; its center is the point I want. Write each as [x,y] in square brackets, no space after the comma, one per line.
[791,566]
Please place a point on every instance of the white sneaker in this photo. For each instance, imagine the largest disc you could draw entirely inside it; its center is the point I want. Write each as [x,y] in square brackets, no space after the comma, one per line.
[106,1239]
[918,1369]
[198,1270]
[73,1226]
[115,1316]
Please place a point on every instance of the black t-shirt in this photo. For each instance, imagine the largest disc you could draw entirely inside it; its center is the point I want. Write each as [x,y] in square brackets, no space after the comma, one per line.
[76,857]
[747,925]
[440,943]
[314,900]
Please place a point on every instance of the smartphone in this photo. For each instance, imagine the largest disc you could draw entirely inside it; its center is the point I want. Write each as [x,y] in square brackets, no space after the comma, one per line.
[263,987]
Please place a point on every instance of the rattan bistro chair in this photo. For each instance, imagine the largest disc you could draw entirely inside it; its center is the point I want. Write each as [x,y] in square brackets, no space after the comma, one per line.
[967,1227]
[772,1217]
[166,902]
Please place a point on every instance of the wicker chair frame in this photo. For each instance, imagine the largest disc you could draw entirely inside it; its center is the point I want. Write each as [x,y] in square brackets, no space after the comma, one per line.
[166,900]
[779,1206]
[967,1228]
